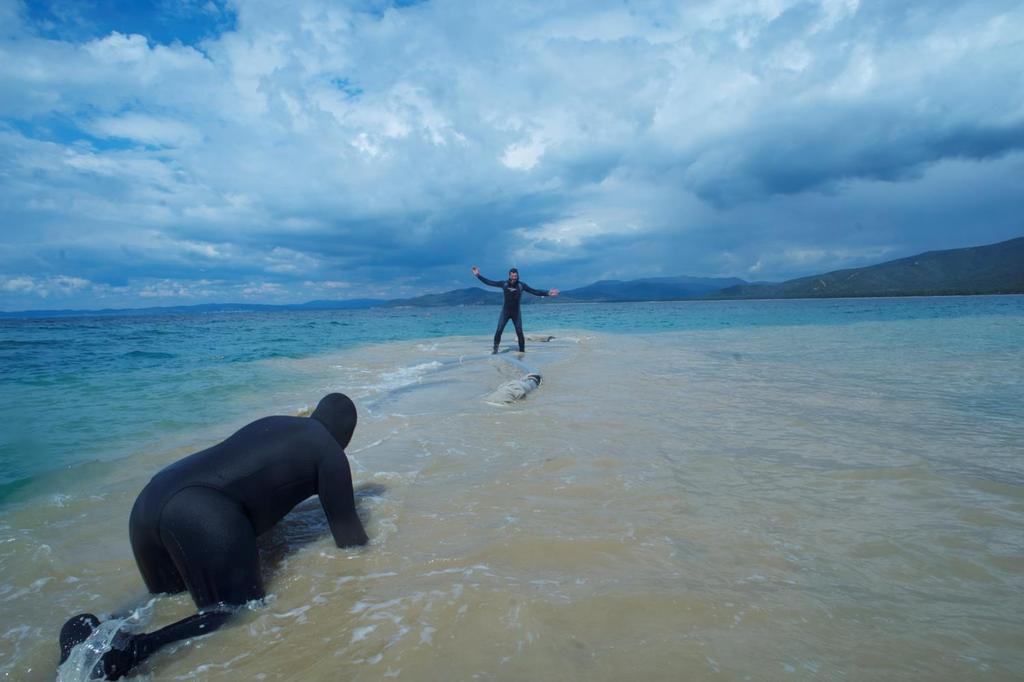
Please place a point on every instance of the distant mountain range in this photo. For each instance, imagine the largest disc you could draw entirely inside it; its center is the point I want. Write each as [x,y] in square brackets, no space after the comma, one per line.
[992,269]
[652,288]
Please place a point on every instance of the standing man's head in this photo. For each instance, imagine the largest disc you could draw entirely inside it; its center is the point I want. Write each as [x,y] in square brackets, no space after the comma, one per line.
[513,275]
[338,413]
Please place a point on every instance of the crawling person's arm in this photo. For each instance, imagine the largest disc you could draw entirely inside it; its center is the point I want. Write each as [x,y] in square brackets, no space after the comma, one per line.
[336,497]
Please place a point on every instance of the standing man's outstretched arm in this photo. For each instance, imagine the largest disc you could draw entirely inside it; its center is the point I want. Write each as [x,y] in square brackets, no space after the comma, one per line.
[538,292]
[488,282]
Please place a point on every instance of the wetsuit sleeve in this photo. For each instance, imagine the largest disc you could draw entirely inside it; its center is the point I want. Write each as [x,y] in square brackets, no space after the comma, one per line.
[490,282]
[334,487]
[535,292]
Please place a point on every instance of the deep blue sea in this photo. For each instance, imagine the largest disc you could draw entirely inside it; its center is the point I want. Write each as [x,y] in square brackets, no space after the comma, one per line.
[81,389]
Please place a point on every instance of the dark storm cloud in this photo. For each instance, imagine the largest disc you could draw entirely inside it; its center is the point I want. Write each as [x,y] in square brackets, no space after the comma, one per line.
[791,159]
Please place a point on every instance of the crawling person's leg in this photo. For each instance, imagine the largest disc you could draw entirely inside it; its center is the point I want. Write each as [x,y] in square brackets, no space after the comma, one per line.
[212,546]
[211,541]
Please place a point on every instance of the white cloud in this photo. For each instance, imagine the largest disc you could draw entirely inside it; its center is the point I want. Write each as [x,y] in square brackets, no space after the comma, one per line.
[19,284]
[328,284]
[314,138]
[808,258]
[166,289]
[562,239]
[119,49]
[261,289]
[286,261]
[146,129]
[523,156]
[44,287]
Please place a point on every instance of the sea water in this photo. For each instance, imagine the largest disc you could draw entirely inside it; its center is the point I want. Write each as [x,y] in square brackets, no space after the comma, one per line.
[707,490]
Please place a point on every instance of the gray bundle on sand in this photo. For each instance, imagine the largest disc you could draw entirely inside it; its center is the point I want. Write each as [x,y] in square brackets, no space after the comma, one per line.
[514,390]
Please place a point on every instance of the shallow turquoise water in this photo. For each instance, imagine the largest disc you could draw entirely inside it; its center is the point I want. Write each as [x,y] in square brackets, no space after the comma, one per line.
[784,490]
[98,388]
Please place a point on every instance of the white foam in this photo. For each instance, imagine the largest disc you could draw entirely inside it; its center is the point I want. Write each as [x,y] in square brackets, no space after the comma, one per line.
[359,634]
[13,640]
[404,376]
[31,589]
[201,670]
[466,571]
[298,613]
[374,444]
[362,606]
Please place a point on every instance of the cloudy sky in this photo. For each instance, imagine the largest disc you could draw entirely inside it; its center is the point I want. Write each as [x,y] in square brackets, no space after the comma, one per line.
[188,151]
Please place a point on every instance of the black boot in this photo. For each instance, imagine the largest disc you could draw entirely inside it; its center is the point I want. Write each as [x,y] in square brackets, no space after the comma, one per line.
[116,663]
[75,631]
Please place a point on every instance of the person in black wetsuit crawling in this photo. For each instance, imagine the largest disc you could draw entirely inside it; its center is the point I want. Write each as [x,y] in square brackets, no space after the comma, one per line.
[513,290]
[194,525]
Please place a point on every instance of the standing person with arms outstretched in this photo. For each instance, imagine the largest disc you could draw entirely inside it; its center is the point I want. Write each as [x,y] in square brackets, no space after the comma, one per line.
[194,525]
[513,290]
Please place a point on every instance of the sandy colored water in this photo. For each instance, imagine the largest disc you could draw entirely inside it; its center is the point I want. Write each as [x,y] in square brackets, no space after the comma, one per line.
[799,503]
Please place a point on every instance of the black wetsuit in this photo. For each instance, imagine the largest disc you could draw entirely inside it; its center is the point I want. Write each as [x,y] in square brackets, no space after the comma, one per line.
[194,525]
[510,310]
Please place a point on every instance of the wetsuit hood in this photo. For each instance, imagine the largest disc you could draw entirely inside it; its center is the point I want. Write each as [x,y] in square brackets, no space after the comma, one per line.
[338,413]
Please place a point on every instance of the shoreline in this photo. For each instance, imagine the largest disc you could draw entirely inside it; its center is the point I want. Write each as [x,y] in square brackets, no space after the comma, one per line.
[254,308]
[185,440]
[188,436]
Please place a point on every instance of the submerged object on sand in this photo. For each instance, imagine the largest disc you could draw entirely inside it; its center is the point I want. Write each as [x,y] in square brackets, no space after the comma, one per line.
[514,390]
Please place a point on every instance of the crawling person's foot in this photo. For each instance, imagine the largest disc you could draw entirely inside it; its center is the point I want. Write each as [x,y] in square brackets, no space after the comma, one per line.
[75,631]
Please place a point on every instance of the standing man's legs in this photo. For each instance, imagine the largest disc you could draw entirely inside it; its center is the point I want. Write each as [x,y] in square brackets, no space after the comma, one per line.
[517,320]
[502,321]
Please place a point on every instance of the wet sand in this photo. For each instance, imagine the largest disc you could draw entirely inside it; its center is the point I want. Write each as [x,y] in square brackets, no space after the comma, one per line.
[715,505]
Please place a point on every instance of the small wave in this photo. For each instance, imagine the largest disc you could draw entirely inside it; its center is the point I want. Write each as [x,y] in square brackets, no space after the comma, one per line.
[148,354]
[19,343]
[367,447]
[9,485]
[405,376]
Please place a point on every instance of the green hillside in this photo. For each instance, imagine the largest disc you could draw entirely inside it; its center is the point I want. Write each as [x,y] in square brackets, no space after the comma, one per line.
[992,269]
